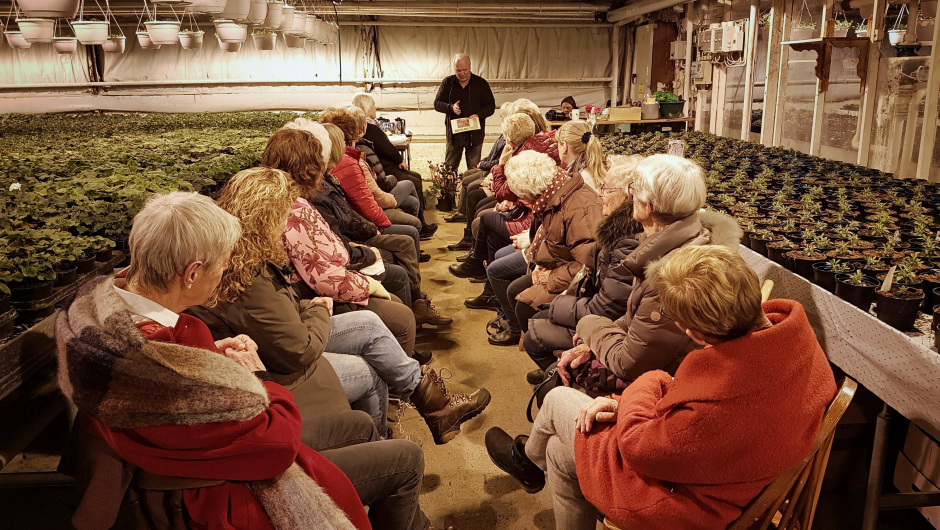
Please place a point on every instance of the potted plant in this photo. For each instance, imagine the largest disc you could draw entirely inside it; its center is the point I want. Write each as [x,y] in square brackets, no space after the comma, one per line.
[257,11]
[191,40]
[299,23]
[873,266]
[143,38]
[27,265]
[287,18]
[49,8]
[274,15]
[897,33]
[931,282]
[231,47]
[231,31]
[763,28]
[16,40]
[295,41]
[777,250]
[65,45]
[36,29]
[925,27]
[802,30]
[842,28]
[824,272]
[670,106]
[264,39]
[804,259]
[856,289]
[897,304]
[163,31]
[115,44]
[235,10]
[90,32]
[445,180]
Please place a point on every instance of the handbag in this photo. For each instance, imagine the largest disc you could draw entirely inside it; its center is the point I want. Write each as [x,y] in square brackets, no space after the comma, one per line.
[515,213]
[597,380]
[550,381]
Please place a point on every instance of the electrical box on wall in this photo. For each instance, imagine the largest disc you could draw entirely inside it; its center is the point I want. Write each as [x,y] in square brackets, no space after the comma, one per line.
[718,35]
[732,36]
[677,50]
[701,72]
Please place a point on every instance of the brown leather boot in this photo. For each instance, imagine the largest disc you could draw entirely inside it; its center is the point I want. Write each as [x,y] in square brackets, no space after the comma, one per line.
[426,313]
[443,412]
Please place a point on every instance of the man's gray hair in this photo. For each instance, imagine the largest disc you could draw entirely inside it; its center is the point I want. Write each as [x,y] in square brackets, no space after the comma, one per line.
[529,174]
[673,186]
[174,230]
[459,57]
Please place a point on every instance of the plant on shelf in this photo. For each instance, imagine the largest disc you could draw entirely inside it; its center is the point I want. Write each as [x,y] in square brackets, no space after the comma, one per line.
[27,258]
[838,266]
[843,24]
[898,27]
[875,263]
[665,97]
[857,278]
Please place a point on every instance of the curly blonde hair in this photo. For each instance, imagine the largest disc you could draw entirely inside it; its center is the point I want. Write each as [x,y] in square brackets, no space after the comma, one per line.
[261,199]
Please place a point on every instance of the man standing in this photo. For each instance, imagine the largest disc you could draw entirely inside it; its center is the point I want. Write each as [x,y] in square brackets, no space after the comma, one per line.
[464,95]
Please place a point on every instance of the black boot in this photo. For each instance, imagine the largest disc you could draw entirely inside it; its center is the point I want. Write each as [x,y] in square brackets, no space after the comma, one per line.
[483,301]
[464,244]
[472,268]
[505,338]
[427,231]
[509,455]
[456,218]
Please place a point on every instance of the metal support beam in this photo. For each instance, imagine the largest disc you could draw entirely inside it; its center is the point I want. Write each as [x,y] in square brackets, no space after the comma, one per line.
[415,23]
[687,87]
[720,80]
[870,97]
[638,9]
[615,63]
[782,66]
[928,134]
[629,48]
[750,55]
[819,102]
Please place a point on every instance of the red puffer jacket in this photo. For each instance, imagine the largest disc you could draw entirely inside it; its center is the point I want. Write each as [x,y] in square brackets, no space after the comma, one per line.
[353,181]
[542,143]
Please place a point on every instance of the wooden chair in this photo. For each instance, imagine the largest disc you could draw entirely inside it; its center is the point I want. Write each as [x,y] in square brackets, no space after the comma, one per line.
[789,502]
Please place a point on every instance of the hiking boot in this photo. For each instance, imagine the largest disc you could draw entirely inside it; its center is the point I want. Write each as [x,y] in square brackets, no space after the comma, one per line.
[425,313]
[535,377]
[464,244]
[505,338]
[463,257]
[509,455]
[442,411]
[427,231]
[472,268]
[482,302]
[456,218]
[423,357]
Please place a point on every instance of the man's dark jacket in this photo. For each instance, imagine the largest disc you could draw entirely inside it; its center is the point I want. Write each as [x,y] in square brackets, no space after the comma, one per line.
[481,103]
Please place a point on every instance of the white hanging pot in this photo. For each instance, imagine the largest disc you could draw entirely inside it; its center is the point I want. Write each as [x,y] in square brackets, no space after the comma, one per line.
[287,18]
[163,31]
[65,45]
[143,38]
[801,33]
[299,25]
[191,40]
[295,41]
[231,47]
[90,32]
[16,40]
[236,10]
[896,36]
[49,8]
[924,30]
[115,44]
[36,29]
[206,6]
[229,31]
[264,41]
[310,26]
[272,20]
[170,2]
[257,11]
[840,32]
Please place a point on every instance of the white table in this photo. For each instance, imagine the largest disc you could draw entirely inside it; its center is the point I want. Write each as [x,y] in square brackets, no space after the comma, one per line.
[402,142]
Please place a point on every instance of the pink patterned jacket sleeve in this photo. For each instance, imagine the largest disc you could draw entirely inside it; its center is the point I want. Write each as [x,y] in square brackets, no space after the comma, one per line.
[320,257]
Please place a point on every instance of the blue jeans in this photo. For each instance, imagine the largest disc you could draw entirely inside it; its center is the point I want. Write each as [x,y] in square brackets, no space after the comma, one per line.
[407,197]
[500,274]
[364,389]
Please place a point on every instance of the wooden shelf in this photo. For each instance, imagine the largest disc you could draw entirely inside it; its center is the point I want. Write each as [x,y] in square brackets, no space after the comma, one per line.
[823,47]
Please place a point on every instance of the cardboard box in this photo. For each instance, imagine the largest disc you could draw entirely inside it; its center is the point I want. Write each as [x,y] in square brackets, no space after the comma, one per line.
[624,113]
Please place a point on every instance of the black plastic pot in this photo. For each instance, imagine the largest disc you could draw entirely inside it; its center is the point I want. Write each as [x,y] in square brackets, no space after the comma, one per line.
[861,296]
[777,255]
[669,111]
[802,266]
[930,295]
[898,313]
[935,325]
[31,291]
[759,245]
[86,263]
[4,303]
[445,204]
[824,277]
[65,274]
[746,239]
[103,255]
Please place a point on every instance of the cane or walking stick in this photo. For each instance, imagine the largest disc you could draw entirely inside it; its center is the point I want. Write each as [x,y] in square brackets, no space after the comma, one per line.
[765,290]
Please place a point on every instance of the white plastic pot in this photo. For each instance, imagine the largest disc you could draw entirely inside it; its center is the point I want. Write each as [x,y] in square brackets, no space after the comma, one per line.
[299,25]
[861,32]
[206,6]
[90,32]
[163,31]
[191,40]
[236,10]
[49,8]
[36,29]
[272,20]
[265,41]
[115,45]
[257,11]
[924,30]
[145,43]
[840,32]
[65,45]
[801,33]
[169,2]
[231,47]
[16,40]
[311,28]
[229,31]
[295,41]
[896,36]
[287,18]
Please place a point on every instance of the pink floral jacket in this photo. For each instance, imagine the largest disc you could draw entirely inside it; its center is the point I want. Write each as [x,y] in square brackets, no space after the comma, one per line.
[320,258]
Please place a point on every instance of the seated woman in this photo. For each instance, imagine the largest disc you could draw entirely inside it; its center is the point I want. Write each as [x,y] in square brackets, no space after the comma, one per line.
[153,384]
[604,291]
[256,300]
[692,451]
[581,152]
[565,213]
[390,157]
[668,192]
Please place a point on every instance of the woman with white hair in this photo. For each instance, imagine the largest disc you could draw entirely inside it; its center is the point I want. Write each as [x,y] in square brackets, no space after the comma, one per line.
[604,290]
[565,212]
[152,384]
[668,194]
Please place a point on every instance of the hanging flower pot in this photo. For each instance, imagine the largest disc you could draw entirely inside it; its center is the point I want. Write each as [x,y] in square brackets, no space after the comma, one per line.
[896,36]
[299,25]
[49,8]
[191,40]
[236,10]
[36,29]
[295,41]
[115,44]
[163,31]
[264,40]
[16,40]
[65,45]
[143,38]
[230,31]
[287,18]
[924,30]
[311,28]
[257,11]
[90,32]
[206,6]
[274,15]
[230,46]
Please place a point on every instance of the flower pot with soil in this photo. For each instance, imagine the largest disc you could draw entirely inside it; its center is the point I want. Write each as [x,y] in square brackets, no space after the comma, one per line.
[191,40]
[931,282]
[776,251]
[274,15]
[257,11]
[49,8]
[31,290]
[856,289]
[16,40]
[65,274]
[898,306]
[802,31]
[873,266]
[86,262]
[115,44]
[824,272]
[36,29]
[231,47]
[264,39]
[90,32]
[5,304]
[287,18]
[935,324]
[143,38]
[802,260]
[925,30]
[65,45]
[231,31]
[295,41]
[163,31]
[896,35]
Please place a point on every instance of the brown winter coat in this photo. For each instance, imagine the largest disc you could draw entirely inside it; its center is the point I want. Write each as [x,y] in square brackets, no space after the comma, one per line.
[569,221]
[645,339]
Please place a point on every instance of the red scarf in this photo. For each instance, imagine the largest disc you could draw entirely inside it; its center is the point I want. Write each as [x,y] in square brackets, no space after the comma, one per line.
[561,178]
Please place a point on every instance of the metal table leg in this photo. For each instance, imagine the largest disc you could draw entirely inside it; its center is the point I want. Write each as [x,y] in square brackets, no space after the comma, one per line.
[877,470]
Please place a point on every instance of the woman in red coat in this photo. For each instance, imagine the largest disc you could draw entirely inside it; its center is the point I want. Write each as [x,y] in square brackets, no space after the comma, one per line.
[168,399]
[692,451]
